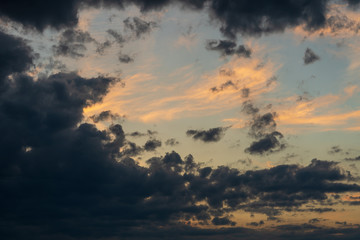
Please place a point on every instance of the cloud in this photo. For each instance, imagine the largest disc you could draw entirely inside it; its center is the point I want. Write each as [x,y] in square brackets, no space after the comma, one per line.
[119,38]
[310,57]
[124,58]
[256,224]
[16,56]
[269,143]
[72,43]
[105,116]
[152,144]
[263,128]
[261,16]
[139,134]
[353,159]
[211,135]
[228,48]
[172,142]
[138,27]
[246,18]
[335,149]
[222,221]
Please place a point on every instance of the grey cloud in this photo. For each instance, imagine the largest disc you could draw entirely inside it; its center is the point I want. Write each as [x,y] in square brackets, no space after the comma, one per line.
[335,149]
[172,142]
[72,43]
[105,116]
[310,57]
[353,159]
[263,128]
[228,48]
[152,144]
[211,135]
[138,27]
[124,58]
[269,143]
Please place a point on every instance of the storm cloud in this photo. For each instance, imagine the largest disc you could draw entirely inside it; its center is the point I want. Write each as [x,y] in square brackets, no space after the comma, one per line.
[235,17]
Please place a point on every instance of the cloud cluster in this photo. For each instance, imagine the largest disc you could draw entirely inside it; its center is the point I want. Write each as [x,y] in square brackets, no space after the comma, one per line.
[263,128]
[236,17]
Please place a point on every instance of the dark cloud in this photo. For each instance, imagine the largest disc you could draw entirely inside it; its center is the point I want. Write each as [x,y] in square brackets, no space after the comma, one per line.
[314,220]
[152,144]
[222,221]
[171,142]
[249,108]
[119,38]
[310,57]
[353,3]
[105,116]
[124,58]
[140,134]
[263,128]
[72,43]
[41,14]
[101,47]
[211,135]
[223,86]
[236,17]
[353,159]
[340,22]
[16,56]
[138,27]
[335,149]
[256,224]
[262,125]
[269,143]
[130,149]
[264,16]
[228,48]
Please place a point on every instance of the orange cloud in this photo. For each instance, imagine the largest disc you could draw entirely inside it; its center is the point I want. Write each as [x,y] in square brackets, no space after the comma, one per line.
[150,98]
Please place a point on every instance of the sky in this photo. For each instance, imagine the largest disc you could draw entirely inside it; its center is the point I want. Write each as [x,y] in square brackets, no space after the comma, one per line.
[169,119]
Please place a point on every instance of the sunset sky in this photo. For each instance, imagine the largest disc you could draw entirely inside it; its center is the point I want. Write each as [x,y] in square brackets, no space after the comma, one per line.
[169,119]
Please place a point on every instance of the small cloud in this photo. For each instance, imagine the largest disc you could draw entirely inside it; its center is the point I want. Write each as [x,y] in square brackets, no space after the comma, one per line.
[211,135]
[310,57]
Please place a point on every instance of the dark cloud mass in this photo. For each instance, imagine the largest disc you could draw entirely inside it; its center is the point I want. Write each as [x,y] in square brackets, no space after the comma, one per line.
[236,17]
[310,57]
[211,135]
[62,178]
